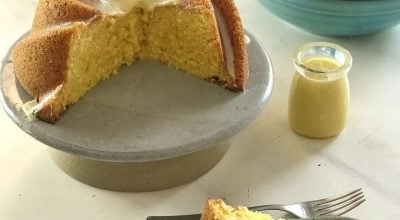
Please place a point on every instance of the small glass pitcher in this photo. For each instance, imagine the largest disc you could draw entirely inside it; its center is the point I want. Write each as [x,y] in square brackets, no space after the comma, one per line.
[320,97]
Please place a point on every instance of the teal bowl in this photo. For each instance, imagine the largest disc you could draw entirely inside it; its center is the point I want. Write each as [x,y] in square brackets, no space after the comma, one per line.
[337,17]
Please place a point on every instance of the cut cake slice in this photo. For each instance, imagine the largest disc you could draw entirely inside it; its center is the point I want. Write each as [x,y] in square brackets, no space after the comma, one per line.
[216,209]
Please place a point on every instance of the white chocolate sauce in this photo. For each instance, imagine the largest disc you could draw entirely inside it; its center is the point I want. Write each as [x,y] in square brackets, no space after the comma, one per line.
[31,107]
[147,5]
[247,39]
[226,42]
[115,7]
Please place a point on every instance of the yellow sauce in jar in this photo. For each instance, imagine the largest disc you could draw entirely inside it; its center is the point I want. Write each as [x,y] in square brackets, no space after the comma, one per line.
[318,106]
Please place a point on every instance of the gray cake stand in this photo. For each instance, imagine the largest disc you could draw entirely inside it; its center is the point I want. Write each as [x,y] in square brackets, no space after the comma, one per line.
[147,128]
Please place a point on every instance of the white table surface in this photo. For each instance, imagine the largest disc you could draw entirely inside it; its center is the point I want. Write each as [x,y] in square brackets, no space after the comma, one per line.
[267,162]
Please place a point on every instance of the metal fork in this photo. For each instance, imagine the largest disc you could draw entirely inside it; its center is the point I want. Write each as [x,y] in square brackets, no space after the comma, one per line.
[332,206]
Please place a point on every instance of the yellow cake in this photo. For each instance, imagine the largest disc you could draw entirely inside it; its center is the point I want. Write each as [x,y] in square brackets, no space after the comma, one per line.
[74,44]
[216,209]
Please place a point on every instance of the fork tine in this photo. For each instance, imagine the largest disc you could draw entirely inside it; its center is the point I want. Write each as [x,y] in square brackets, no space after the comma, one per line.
[334,198]
[349,208]
[322,206]
[343,208]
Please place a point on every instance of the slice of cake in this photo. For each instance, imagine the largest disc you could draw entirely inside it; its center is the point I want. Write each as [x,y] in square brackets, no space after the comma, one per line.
[74,44]
[216,209]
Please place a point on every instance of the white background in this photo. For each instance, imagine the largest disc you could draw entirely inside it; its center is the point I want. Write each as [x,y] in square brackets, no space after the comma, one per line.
[267,162]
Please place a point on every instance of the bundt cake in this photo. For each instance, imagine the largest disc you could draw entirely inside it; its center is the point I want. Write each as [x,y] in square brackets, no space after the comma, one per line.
[74,44]
[216,209]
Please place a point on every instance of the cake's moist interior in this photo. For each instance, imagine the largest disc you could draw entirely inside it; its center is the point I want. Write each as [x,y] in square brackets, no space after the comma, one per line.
[220,210]
[169,34]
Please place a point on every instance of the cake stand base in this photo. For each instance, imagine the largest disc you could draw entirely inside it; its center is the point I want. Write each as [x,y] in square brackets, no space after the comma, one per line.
[140,176]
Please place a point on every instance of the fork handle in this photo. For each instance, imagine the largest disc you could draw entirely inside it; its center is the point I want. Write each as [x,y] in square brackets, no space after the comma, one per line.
[268,207]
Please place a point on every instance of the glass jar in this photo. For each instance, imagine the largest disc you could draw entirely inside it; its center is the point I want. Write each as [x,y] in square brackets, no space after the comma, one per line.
[319,97]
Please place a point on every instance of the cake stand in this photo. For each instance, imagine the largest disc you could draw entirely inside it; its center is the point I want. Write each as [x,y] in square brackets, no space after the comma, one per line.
[147,128]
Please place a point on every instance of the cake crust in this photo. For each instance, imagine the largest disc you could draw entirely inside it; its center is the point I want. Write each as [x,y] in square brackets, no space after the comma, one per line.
[235,28]
[55,12]
[39,61]
[208,213]
[40,65]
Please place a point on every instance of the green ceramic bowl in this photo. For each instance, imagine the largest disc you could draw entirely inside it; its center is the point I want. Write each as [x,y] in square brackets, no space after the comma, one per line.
[338,17]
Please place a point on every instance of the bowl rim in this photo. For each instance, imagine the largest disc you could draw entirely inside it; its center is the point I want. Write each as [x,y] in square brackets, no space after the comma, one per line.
[380,8]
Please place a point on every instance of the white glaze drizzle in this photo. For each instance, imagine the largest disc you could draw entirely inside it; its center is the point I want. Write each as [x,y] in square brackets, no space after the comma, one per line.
[104,6]
[147,5]
[226,42]
[115,7]
[31,107]
[247,39]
